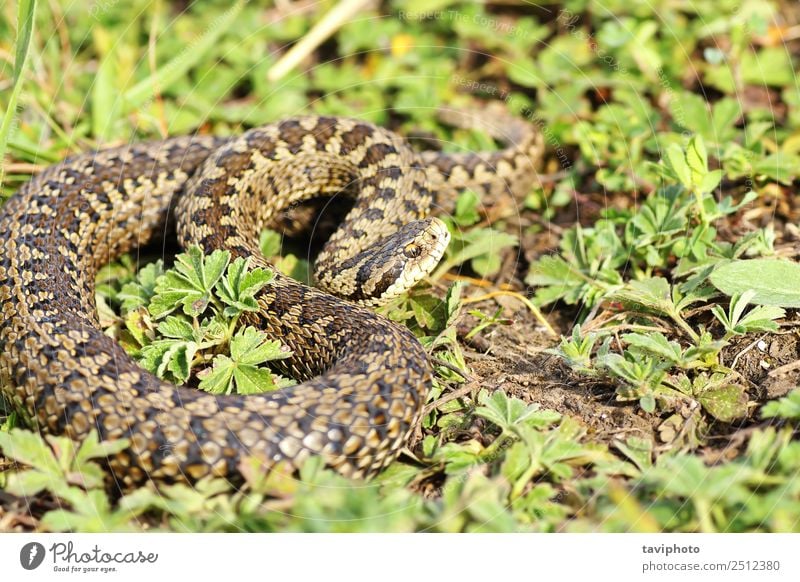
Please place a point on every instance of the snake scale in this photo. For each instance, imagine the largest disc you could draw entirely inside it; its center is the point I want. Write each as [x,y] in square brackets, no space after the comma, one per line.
[363,378]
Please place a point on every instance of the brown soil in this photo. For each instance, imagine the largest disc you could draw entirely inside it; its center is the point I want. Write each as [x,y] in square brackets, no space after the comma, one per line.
[514,361]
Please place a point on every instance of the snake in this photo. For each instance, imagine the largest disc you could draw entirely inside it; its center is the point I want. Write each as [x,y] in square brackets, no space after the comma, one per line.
[363,379]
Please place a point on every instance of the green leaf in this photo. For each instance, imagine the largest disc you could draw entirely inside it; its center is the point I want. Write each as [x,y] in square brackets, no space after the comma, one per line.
[697,156]
[648,403]
[427,311]
[269,242]
[29,448]
[787,407]
[177,328]
[656,344]
[139,324]
[725,114]
[556,279]
[774,282]
[677,162]
[189,283]
[507,412]
[240,372]
[28,483]
[169,359]
[516,462]
[91,513]
[429,445]
[466,210]
[452,302]
[726,402]
[480,246]
[781,167]
[238,288]
[639,450]
[762,318]
[769,66]
[710,181]
[690,111]
[139,292]
[93,448]
[252,348]
[459,456]
[105,96]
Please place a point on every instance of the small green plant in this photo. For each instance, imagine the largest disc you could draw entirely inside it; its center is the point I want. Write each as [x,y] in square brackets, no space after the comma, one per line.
[640,375]
[486,321]
[72,473]
[690,169]
[787,407]
[577,351]
[241,372]
[479,247]
[585,271]
[736,322]
[184,322]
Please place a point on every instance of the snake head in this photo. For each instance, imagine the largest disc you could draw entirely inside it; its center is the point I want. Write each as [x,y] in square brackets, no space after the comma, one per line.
[393,265]
[402,260]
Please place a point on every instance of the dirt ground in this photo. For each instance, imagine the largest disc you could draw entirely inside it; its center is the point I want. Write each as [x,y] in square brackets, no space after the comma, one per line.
[512,357]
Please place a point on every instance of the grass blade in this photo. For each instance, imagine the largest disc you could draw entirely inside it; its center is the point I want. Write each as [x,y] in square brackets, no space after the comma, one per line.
[104,99]
[178,66]
[25,14]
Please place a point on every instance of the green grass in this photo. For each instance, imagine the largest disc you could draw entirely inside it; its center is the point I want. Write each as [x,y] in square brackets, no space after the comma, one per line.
[672,133]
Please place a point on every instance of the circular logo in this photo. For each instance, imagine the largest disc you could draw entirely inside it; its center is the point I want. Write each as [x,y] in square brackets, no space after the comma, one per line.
[31,555]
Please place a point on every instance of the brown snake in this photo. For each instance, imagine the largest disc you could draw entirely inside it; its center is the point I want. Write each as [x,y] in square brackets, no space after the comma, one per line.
[364,379]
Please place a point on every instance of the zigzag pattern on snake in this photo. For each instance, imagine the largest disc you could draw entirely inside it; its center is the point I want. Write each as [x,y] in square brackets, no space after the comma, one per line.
[364,379]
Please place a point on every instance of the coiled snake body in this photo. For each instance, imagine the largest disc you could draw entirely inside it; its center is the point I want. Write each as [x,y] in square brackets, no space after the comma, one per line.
[364,379]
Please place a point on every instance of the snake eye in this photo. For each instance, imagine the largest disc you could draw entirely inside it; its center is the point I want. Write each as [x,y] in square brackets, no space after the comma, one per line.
[412,251]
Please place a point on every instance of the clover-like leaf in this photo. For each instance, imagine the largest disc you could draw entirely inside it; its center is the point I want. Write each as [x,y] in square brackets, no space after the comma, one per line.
[242,372]
[169,359]
[507,412]
[238,288]
[177,328]
[138,293]
[189,284]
